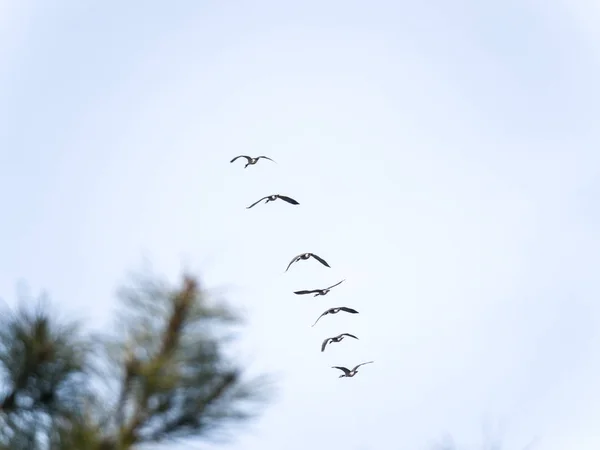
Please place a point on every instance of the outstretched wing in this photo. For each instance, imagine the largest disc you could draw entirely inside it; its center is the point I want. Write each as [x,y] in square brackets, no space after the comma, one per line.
[343,369]
[292,261]
[324,314]
[288,199]
[348,310]
[241,156]
[257,202]
[324,344]
[305,292]
[347,334]
[321,260]
[362,364]
[266,157]
[336,284]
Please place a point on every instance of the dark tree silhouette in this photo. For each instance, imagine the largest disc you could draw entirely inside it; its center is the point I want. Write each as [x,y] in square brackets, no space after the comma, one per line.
[162,374]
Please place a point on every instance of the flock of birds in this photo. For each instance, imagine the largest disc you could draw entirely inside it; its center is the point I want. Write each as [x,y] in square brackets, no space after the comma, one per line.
[303,257]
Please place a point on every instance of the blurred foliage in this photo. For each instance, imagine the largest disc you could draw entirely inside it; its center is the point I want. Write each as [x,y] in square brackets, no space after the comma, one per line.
[162,374]
[490,441]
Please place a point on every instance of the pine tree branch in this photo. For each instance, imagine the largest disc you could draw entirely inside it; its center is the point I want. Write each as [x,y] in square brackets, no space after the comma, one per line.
[181,303]
[196,420]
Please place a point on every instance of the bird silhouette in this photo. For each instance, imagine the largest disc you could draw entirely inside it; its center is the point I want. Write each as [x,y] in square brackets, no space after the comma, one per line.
[350,373]
[335,311]
[272,198]
[318,292]
[337,338]
[250,159]
[306,256]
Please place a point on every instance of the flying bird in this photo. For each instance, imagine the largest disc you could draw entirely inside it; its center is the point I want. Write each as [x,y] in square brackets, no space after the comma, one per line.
[335,311]
[318,292]
[272,198]
[250,159]
[350,373]
[306,256]
[337,338]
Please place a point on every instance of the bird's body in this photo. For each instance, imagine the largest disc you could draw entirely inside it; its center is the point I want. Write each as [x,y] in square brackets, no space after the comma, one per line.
[250,159]
[272,198]
[304,256]
[337,338]
[335,311]
[318,292]
[350,373]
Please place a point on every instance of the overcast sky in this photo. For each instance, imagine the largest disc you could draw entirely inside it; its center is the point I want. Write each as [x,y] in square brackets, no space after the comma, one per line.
[446,157]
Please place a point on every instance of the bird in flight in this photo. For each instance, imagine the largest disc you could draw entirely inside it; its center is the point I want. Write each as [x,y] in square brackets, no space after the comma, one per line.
[318,292]
[250,159]
[337,338]
[272,198]
[335,311]
[350,373]
[306,256]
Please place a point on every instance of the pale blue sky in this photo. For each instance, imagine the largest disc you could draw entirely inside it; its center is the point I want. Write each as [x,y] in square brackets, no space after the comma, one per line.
[446,157]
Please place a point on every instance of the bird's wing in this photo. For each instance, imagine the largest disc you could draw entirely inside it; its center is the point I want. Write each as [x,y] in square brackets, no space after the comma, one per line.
[343,369]
[265,157]
[305,292]
[288,199]
[241,156]
[349,310]
[336,284]
[348,334]
[324,314]
[324,344]
[257,202]
[362,364]
[292,262]
[321,260]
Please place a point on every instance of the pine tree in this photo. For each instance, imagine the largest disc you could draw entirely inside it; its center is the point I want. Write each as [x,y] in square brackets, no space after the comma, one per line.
[161,375]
